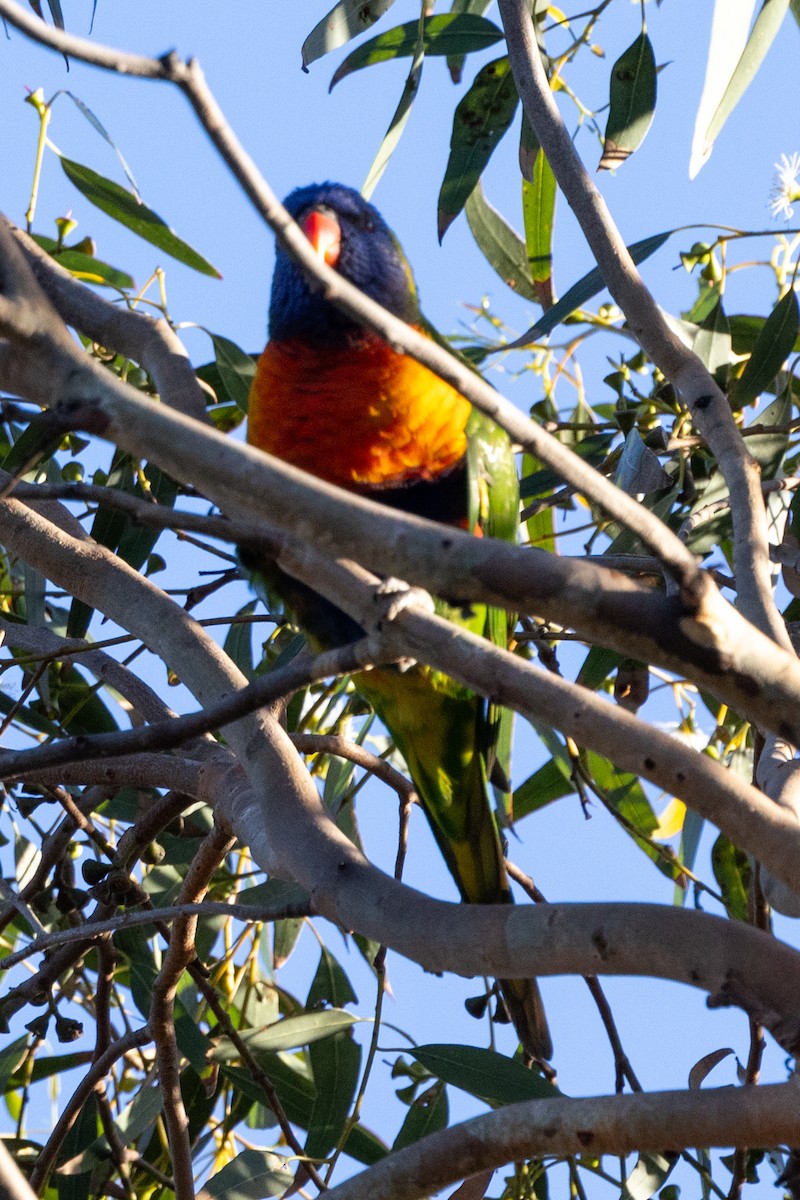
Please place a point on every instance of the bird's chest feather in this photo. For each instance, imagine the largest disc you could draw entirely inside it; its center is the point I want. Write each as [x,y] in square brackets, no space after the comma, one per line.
[358,417]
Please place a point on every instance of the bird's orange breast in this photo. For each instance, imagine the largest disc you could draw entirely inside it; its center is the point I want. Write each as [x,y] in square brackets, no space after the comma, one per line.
[356,416]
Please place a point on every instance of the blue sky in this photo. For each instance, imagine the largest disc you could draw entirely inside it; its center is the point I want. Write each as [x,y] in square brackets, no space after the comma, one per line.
[297,133]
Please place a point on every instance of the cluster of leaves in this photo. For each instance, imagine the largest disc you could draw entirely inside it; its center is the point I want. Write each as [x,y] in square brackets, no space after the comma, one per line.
[304,1062]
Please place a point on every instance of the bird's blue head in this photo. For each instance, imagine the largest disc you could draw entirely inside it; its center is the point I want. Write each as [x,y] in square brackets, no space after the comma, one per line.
[354,238]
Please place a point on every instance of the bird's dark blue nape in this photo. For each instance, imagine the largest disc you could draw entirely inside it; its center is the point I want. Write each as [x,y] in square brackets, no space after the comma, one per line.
[370,257]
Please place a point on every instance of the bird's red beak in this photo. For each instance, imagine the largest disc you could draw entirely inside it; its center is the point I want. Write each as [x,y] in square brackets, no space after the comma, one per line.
[323,231]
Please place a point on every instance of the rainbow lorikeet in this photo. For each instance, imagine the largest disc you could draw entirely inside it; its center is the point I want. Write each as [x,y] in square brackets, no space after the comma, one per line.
[334,399]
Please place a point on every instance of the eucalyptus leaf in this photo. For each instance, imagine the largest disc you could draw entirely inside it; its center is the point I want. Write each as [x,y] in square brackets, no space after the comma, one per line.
[480,121]
[632,102]
[346,20]
[484,1073]
[762,35]
[449,33]
[584,290]
[503,249]
[774,344]
[125,207]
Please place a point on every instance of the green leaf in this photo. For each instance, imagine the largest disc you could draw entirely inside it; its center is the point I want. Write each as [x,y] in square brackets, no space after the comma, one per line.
[396,125]
[549,783]
[775,343]
[330,984]
[336,1064]
[124,207]
[584,290]
[648,1175]
[538,210]
[141,966]
[712,343]
[346,20]
[769,448]
[249,1176]
[284,939]
[502,248]
[745,330]
[237,369]
[762,35]
[450,33]
[97,124]
[238,644]
[289,1033]
[84,266]
[593,449]
[632,102]
[429,1113]
[730,25]
[484,1073]
[479,122]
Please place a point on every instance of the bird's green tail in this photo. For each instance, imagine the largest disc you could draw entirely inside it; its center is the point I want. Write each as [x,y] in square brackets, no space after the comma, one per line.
[436,725]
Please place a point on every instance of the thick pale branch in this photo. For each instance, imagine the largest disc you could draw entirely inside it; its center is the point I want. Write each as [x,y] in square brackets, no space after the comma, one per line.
[294,836]
[657,1121]
[707,403]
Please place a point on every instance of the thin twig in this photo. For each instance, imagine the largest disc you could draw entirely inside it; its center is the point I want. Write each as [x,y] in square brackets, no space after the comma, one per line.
[99,1069]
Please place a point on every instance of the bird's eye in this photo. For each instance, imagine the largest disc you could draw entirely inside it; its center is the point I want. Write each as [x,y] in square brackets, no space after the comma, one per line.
[367,224]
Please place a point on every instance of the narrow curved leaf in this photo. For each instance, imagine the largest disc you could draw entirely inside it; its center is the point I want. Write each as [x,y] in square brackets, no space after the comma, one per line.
[98,125]
[632,102]
[346,20]
[503,249]
[290,1033]
[729,28]
[484,1073]
[704,1066]
[399,117]
[449,33]
[124,207]
[479,122]
[773,346]
[336,1064]
[538,210]
[762,35]
[584,290]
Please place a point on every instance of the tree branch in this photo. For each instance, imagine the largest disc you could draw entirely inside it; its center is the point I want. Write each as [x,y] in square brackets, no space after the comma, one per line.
[658,1121]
